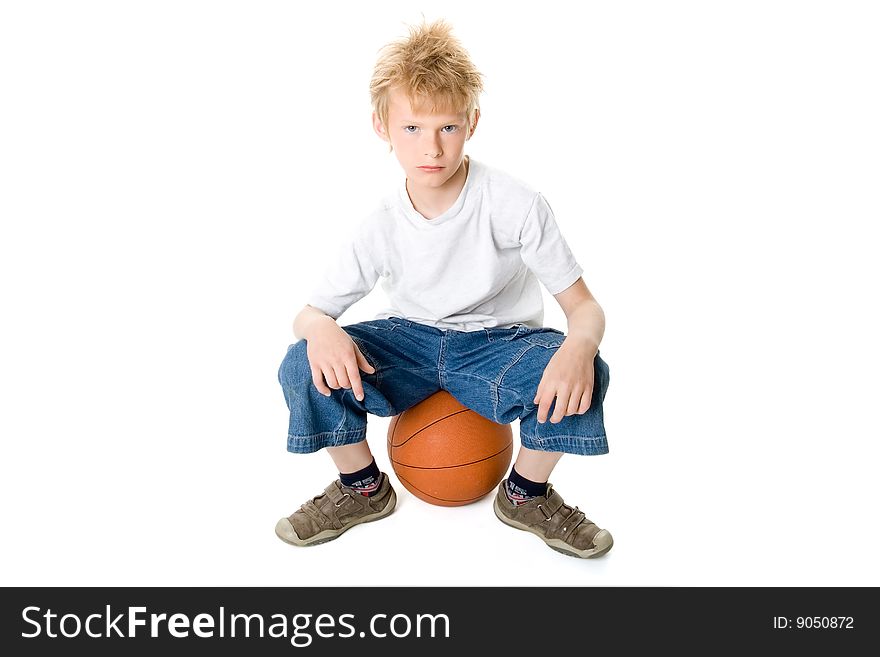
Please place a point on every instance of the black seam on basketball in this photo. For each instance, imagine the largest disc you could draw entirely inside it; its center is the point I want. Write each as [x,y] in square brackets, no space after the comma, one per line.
[442,499]
[457,465]
[427,426]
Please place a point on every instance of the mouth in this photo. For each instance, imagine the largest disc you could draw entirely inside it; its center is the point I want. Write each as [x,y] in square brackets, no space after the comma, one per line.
[431,168]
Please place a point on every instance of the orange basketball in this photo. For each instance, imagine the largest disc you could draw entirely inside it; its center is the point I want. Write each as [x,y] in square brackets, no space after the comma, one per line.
[446,454]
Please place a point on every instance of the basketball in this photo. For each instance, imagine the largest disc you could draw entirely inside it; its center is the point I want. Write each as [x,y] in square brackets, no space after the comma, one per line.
[446,454]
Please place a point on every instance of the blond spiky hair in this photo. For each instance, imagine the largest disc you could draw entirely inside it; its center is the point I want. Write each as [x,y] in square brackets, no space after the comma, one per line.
[432,68]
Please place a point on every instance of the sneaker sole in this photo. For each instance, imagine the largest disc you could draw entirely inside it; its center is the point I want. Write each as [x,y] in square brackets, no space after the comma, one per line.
[330,534]
[602,540]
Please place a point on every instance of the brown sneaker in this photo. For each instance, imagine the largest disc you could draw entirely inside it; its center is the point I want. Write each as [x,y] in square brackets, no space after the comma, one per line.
[337,509]
[564,529]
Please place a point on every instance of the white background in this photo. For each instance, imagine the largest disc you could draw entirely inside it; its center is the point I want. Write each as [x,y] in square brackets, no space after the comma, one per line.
[174,175]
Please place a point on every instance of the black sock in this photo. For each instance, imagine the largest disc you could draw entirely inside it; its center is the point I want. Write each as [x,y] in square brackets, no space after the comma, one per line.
[520,490]
[365,482]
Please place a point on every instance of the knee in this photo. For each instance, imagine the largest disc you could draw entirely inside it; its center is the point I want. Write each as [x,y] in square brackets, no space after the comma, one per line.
[295,368]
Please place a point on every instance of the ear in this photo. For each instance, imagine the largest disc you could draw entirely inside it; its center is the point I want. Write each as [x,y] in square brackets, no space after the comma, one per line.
[474,124]
[379,128]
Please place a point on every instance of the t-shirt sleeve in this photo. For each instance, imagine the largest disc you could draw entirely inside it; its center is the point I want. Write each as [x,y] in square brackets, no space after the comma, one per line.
[350,275]
[545,251]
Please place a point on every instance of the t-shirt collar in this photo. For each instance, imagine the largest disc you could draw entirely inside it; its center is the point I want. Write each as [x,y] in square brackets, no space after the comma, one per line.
[416,217]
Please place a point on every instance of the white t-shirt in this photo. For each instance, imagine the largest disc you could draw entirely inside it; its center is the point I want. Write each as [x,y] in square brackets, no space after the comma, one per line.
[475,266]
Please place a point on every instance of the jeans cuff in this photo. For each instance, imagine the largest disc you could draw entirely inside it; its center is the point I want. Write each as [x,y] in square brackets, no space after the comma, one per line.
[308,444]
[581,445]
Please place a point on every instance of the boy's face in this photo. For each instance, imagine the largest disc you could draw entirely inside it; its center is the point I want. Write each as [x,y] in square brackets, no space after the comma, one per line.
[423,139]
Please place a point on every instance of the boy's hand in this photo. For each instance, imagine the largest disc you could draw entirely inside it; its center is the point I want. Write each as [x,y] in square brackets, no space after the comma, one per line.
[568,378]
[334,356]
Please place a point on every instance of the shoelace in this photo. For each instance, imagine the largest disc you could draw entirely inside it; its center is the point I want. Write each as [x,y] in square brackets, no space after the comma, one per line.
[312,509]
[570,516]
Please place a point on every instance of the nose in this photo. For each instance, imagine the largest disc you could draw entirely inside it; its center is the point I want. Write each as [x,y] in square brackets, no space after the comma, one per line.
[433,149]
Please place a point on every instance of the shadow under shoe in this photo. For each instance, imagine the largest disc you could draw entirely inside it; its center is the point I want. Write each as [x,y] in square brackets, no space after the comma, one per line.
[563,528]
[335,511]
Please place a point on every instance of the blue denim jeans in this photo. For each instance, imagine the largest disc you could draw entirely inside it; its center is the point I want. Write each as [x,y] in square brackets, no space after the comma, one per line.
[495,372]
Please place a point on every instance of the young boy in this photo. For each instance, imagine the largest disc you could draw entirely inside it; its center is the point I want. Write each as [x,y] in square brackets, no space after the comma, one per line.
[460,248]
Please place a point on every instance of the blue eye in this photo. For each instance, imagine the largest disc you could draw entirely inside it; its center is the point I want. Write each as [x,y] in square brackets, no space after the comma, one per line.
[406,129]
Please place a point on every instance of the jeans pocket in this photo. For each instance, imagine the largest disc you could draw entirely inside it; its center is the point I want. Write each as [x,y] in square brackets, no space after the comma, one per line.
[504,334]
[380,325]
[544,337]
[375,378]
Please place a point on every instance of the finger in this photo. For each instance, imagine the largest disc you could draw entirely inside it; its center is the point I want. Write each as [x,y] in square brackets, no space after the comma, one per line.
[318,380]
[561,406]
[543,406]
[330,376]
[342,375]
[355,378]
[586,399]
[574,402]
[537,402]
[363,363]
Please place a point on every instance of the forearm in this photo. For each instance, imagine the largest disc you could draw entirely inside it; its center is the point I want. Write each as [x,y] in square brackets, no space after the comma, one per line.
[586,325]
[307,319]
